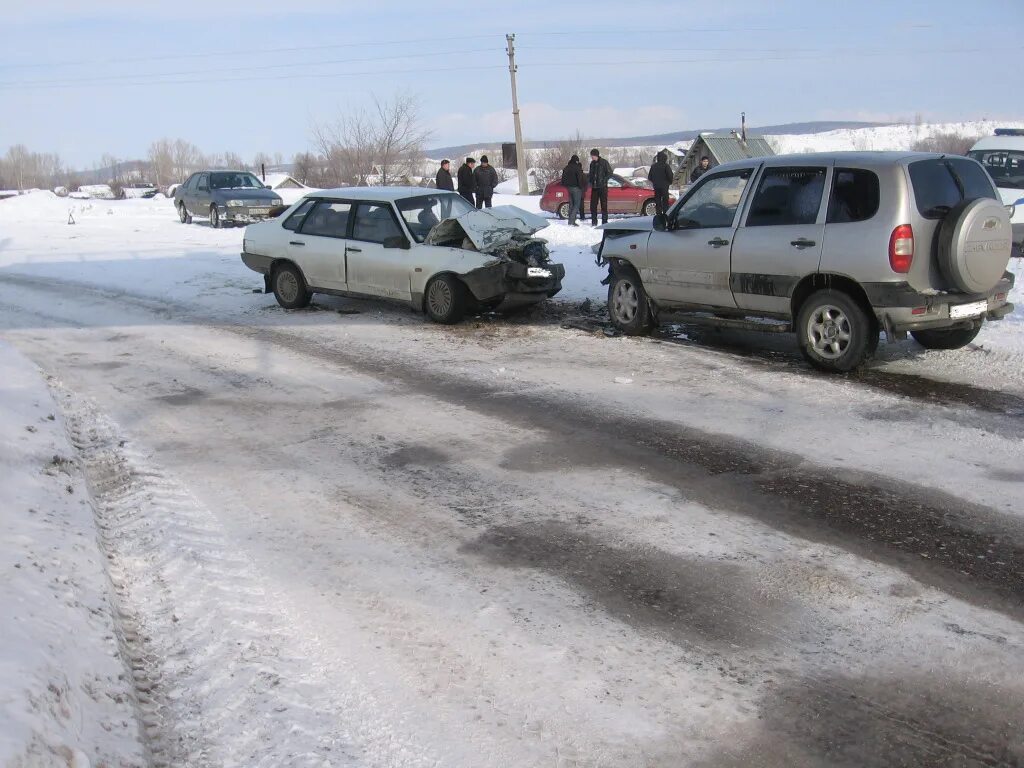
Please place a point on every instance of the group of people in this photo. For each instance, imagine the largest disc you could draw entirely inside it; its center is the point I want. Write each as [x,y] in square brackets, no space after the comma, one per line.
[576,182]
[476,183]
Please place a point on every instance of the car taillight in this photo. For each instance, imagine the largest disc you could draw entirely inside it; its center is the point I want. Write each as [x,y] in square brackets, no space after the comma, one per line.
[901,248]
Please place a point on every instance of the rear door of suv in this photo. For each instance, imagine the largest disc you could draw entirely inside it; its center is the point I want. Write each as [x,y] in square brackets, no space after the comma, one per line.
[781,236]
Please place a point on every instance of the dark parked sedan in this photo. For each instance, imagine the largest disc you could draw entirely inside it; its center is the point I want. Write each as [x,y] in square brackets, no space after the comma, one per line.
[225,197]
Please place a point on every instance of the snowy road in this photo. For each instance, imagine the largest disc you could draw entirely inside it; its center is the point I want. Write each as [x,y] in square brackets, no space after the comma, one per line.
[358,539]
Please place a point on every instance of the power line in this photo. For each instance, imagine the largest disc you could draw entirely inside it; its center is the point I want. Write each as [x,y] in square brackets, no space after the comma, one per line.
[260,67]
[236,52]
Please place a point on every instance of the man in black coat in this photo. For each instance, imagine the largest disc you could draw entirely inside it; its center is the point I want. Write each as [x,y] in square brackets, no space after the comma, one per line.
[700,170]
[599,174]
[486,179]
[661,177]
[575,181]
[443,180]
[467,185]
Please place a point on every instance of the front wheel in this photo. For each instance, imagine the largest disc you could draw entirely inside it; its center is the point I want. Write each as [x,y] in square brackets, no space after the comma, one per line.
[650,208]
[563,211]
[834,332]
[183,214]
[290,288]
[948,338]
[628,305]
[214,217]
[446,300]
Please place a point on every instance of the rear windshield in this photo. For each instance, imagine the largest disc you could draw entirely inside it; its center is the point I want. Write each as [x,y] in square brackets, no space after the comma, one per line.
[1005,166]
[941,183]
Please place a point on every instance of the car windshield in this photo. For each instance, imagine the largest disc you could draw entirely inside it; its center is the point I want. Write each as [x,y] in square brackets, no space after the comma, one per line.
[234,181]
[422,213]
[1005,166]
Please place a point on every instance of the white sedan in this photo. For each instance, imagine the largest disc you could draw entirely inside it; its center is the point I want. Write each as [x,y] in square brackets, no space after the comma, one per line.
[430,249]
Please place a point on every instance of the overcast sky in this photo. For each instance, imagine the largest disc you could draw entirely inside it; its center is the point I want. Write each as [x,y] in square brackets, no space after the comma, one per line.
[84,78]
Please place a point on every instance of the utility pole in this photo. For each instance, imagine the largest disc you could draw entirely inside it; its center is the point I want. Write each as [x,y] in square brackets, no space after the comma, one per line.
[520,151]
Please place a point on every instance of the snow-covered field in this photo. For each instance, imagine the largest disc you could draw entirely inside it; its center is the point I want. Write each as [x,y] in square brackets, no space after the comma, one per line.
[365,540]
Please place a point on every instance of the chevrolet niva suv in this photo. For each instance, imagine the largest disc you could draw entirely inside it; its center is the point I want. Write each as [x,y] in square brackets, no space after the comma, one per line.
[839,247]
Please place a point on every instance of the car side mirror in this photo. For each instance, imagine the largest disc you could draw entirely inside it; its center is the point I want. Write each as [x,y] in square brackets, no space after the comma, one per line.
[660,222]
[397,241]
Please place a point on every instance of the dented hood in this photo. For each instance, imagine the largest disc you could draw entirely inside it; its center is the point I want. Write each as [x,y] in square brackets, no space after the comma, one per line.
[632,224]
[489,229]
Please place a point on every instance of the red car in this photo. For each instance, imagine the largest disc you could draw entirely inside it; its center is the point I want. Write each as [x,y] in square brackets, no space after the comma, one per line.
[635,197]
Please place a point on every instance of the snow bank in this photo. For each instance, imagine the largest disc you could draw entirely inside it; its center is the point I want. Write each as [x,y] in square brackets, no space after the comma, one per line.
[62,701]
[887,137]
[45,206]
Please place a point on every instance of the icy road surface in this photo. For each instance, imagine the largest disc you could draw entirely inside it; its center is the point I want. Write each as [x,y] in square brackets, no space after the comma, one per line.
[364,540]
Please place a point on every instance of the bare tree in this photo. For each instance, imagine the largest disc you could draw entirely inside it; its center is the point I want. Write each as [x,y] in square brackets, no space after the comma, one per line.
[550,161]
[949,143]
[386,140]
[161,163]
[305,169]
[187,158]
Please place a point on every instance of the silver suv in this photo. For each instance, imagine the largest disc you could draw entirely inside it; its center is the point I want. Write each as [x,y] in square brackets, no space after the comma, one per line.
[839,247]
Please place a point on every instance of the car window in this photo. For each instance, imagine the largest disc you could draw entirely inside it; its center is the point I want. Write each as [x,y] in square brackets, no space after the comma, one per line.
[327,219]
[1005,166]
[294,221]
[202,183]
[854,196]
[942,182]
[374,223]
[423,212]
[190,185]
[614,183]
[230,180]
[787,196]
[713,202]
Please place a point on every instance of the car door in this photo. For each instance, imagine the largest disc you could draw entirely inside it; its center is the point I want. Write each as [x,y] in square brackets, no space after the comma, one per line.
[372,268]
[185,191]
[199,196]
[619,197]
[688,262]
[319,240]
[779,240]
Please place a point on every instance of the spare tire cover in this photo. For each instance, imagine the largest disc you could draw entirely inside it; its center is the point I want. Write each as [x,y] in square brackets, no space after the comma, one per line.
[975,242]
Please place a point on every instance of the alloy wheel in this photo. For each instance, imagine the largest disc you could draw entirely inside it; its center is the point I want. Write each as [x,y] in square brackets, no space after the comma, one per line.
[625,302]
[829,331]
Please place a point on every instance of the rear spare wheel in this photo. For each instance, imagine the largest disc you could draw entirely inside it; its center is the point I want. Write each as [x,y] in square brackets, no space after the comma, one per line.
[975,241]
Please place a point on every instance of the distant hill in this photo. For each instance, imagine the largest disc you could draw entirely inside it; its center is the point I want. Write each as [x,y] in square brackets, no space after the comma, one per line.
[820,126]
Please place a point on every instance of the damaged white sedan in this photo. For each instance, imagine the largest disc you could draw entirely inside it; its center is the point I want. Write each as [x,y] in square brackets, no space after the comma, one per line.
[432,250]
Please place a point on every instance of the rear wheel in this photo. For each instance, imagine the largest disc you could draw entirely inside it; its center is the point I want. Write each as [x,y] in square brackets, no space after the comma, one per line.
[834,332]
[563,211]
[650,208]
[183,214]
[948,338]
[290,288]
[445,300]
[628,305]
[214,217]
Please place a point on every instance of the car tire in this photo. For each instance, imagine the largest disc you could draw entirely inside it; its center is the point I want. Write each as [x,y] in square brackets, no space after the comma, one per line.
[563,211]
[946,338]
[214,217]
[183,214]
[290,287]
[649,208]
[445,299]
[628,305]
[834,331]
[970,259]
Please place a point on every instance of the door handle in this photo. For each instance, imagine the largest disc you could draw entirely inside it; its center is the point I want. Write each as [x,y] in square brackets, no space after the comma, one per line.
[353,250]
[802,242]
[295,242]
[718,242]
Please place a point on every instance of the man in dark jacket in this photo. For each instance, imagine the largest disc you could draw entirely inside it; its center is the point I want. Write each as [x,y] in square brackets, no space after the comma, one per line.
[467,185]
[443,180]
[661,177]
[599,174]
[700,170]
[574,180]
[486,179]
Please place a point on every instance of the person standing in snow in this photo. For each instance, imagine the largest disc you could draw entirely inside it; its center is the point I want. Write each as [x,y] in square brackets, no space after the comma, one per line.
[575,181]
[700,170]
[486,179]
[598,177]
[443,180]
[467,185]
[661,177]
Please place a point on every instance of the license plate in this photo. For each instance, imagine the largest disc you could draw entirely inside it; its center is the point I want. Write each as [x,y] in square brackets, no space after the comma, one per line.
[259,211]
[968,310]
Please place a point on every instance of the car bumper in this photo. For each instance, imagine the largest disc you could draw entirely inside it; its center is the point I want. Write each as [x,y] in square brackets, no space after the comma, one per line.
[899,308]
[514,279]
[257,262]
[244,215]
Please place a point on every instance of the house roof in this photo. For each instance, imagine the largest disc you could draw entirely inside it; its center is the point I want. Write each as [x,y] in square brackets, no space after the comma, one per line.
[274,180]
[726,148]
